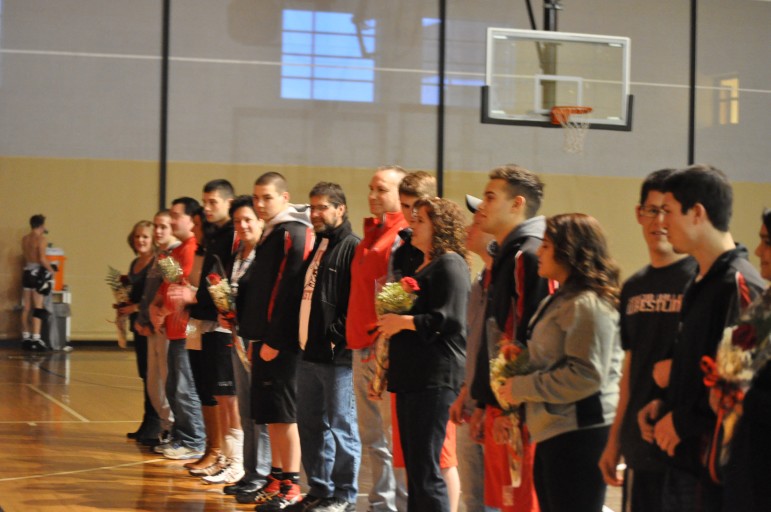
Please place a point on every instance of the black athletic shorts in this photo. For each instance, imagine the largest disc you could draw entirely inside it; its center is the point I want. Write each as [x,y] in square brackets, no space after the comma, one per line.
[217,366]
[274,387]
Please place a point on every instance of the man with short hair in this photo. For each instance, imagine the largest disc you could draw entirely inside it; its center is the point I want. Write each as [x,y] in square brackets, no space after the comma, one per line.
[371,263]
[326,407]
[406,258]
[508,210]
[188,432]
[650,309]
[36,283]
[697,208]
[223,460]
[271,291]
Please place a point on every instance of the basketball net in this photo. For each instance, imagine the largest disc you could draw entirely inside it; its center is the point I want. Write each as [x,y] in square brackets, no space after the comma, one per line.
[575,126]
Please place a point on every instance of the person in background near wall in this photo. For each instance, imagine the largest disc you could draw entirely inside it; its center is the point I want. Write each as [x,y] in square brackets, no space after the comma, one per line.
[141,242]
[571,393]
[650,310]
[427,349]
[35,281]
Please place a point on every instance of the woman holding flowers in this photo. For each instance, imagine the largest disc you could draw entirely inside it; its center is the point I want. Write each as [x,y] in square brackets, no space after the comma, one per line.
[749,460]
[140,240]
[571,393]
[427,349]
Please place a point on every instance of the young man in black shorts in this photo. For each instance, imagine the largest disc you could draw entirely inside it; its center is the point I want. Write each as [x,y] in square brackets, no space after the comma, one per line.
[271,291]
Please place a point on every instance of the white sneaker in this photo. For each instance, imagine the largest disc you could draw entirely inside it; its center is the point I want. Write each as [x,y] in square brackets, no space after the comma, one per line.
[230,474]
[180,452]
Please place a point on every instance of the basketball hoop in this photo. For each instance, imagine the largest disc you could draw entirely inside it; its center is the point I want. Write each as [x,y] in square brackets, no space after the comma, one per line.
[575,125]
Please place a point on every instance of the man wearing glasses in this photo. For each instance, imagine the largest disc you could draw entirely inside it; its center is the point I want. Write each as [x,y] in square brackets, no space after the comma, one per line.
[650,307]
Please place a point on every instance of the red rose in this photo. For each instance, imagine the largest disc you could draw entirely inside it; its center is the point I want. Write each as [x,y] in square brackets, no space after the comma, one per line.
[744,336]
[409,285]
[124,280]
[511,351]
[214,279]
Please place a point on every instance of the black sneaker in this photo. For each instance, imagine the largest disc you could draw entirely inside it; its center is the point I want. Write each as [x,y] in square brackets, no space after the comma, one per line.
[38,345]
[306,505]
[264,493]
[241,487]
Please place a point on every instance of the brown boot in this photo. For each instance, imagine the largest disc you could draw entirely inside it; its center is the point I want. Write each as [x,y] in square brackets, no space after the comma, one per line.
[211,421]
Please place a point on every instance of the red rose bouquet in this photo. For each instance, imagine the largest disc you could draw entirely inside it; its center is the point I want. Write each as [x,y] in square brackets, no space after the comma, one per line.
[394,297]
[513,359]
[744,350]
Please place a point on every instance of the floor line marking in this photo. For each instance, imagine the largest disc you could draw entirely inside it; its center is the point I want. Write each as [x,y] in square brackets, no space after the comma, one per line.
[76,471]
[57,402]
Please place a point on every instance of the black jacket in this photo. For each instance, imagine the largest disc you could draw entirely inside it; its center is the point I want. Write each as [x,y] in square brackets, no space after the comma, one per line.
[218,246]
[513,296]
[709,306]
[434,354]
[269,292]
[329,305]
[406,258]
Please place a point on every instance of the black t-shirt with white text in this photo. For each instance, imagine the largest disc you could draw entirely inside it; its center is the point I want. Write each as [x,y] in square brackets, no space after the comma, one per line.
[650,310]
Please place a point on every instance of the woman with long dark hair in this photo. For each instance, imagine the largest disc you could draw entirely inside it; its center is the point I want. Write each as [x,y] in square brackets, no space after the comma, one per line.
[570,396]
[427,351]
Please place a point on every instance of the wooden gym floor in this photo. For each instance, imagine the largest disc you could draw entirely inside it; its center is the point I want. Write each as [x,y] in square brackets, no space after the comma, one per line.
[63,423]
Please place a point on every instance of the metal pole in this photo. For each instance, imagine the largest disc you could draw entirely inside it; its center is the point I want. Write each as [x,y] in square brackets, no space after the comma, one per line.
[164,102]
[692,87]
[440,111]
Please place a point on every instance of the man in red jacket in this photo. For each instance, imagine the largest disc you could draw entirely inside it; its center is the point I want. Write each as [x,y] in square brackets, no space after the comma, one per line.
[188,433]
[370,263]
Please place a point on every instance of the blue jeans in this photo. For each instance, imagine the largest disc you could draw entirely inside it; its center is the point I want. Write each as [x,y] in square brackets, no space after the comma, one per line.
[180,390]
[329,433]
[256,439]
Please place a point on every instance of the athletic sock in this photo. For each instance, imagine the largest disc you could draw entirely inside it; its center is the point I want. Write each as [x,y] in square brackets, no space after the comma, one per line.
[276,473]
[36,337]
[26,335]
[292,477]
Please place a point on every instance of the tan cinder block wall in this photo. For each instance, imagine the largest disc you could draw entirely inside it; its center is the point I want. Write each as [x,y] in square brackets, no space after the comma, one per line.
[92,204]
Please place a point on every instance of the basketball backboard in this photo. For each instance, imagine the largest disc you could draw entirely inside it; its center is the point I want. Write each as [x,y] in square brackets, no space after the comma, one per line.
[530,71]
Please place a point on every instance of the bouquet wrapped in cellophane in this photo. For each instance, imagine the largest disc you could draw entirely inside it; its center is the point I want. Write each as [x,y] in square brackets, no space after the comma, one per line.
[223,298]
[744,350]
[513,359]
[170,269]
[121,291]
[394,297]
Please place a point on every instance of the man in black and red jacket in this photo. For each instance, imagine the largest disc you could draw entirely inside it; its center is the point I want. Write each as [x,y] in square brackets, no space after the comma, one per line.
[514,290]
[269,297]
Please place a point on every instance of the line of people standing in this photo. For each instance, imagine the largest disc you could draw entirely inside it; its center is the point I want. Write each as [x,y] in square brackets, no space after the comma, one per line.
[286,382]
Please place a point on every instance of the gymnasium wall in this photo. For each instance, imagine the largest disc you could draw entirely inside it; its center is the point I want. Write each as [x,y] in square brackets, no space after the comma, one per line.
[80,97]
